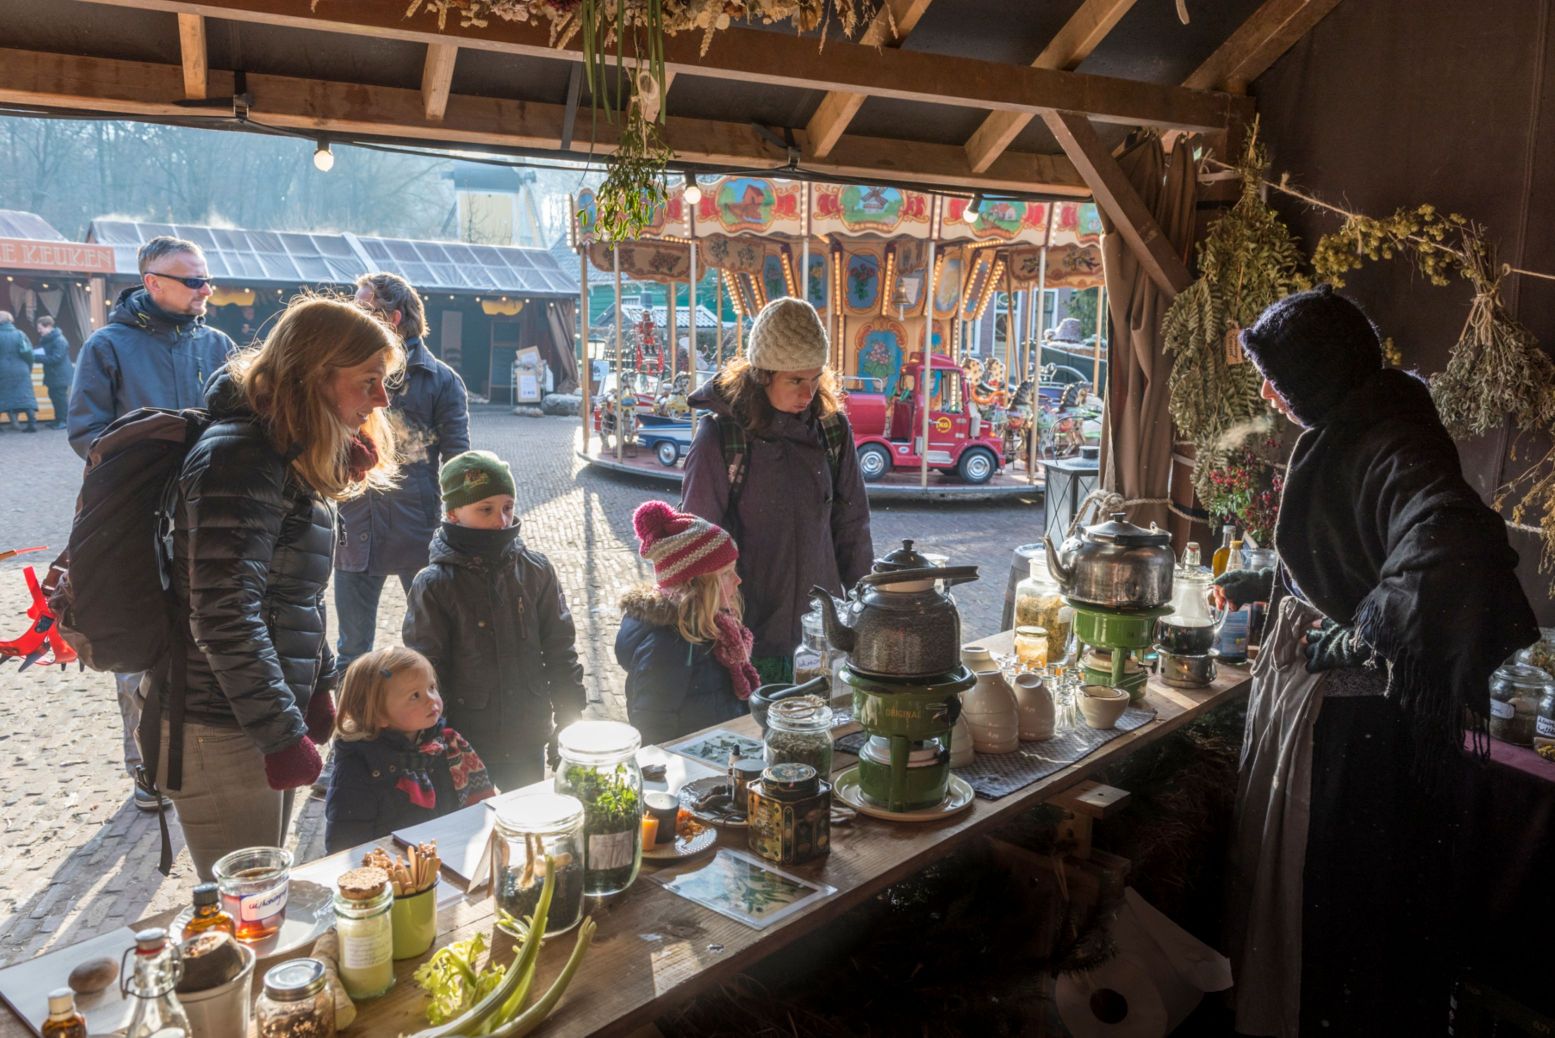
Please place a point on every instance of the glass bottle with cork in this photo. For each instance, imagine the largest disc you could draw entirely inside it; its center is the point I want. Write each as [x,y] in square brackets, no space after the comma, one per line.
[150,981]
[1229,554]
[362,904]
[64,1021]
[208,915]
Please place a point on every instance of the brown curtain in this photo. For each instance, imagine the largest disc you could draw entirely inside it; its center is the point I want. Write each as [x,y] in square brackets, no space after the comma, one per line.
[1137,439]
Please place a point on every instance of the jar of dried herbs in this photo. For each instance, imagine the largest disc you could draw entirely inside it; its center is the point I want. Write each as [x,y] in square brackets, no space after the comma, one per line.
[799,732]
[599,767]
[531,831]
[296,1002]
[790,815]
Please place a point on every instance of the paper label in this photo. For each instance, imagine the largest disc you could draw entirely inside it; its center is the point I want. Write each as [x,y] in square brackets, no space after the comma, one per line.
[1544,726]
[365,943]
[253,908]
[1233,345]
[1505,711]
[610,851]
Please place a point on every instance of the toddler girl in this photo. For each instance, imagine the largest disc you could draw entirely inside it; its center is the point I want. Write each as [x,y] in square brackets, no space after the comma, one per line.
[396,763]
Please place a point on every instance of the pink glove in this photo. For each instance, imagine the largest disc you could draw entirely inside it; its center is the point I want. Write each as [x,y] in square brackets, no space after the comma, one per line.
[297,765]
[321,715]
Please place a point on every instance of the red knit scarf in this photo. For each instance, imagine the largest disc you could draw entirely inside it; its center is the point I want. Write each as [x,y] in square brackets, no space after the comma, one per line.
[361,456]
[471,783]
[733,650]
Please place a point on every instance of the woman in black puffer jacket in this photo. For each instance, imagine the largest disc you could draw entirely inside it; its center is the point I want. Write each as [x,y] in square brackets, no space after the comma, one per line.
[296,426]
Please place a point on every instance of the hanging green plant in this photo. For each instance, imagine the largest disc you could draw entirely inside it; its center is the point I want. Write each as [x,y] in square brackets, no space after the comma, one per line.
[1247,260]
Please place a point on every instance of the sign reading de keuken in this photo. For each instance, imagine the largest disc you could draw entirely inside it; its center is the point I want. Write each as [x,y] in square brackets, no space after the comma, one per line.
[64,256]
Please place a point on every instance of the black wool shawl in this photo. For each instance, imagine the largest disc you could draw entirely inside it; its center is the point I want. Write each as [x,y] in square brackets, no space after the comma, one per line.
[1379,530]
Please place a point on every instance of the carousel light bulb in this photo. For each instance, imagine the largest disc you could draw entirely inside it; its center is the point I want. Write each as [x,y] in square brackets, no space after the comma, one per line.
[323,158]
[693,192]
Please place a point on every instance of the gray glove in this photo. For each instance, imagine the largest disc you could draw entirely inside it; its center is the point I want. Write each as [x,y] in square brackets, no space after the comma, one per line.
[1334,646]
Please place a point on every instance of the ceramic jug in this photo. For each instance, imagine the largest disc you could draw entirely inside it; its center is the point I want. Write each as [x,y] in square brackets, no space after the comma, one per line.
[990,710]
[1035,704]
[962,744]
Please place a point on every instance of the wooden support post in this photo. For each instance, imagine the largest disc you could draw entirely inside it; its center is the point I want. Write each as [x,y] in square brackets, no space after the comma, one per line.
[926,371]
[437,78]
[191,45]
[1120,201]
[1035,344]
[615,260]
[1082,805]
[671,318]
[583,330]
[1101,322]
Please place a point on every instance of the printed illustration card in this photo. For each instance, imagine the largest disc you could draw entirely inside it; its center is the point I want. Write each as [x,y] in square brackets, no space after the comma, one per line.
[714,747]
[747,889]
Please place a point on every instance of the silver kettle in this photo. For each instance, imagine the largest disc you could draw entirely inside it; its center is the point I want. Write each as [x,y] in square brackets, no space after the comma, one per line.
[1115,565]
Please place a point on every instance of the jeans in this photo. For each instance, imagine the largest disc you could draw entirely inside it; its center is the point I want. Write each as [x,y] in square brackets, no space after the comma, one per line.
[132,700]
[224,803]
[356,610]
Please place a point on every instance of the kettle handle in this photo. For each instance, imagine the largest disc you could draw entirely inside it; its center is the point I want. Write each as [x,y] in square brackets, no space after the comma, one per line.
[949,574]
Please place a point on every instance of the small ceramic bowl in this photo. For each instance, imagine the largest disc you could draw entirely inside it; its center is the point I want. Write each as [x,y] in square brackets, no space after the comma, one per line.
[1101,705]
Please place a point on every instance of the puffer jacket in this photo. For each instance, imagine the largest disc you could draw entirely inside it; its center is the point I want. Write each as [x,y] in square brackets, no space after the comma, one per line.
[57,369]
[143,357]
[252,549]
[489,613]
[798,527]
[386,534]
[16,392]
[672,686]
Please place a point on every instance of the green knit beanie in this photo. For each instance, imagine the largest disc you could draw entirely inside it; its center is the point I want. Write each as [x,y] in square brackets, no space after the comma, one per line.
[474,476]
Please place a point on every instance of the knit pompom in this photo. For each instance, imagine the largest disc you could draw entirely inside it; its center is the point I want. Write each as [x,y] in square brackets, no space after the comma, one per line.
[652,520]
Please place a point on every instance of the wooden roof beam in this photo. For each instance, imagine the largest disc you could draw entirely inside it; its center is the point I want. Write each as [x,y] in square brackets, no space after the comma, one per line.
[437,78]
[191,45]
[1120,201]
[141,89]
[777,59]
[838,107]
[1258,43]
[1072,44]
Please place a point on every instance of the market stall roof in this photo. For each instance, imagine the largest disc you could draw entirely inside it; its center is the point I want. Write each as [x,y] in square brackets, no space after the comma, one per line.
[16,224]
[295,258]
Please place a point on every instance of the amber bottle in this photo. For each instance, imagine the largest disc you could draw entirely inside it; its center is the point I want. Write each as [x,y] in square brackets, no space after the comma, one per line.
[208,915]
[64,1021]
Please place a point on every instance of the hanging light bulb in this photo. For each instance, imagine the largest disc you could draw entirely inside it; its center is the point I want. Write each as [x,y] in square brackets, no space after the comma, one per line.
[323,158]
[693,191]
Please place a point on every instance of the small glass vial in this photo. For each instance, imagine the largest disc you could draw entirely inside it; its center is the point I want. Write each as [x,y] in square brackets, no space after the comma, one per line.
[362,903]
[296,1002]
[1031,648]
[811,658]
[599,767]
[799,732]
[529,829]
[149,981]
[64,1021]
[208,915]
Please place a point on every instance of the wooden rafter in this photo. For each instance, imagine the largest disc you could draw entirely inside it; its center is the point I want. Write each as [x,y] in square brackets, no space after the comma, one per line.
[777,59]
[838,107]
[1120,201]
[1071,45]
[437,78]
[317,107]
[1258,43]
[191,45]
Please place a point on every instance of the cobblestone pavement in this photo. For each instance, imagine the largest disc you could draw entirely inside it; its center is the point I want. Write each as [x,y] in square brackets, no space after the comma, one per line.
[77,858]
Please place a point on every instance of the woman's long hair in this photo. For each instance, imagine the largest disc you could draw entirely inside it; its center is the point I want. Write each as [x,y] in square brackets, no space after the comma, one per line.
[744,387]
[697,603]
[284,380]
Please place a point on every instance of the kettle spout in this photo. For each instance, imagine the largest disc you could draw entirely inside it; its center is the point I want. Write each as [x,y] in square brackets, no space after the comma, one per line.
[1055,564]
[838,634]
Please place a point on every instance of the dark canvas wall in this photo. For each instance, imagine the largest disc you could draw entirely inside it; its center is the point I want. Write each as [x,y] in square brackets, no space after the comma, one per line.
[1390,103]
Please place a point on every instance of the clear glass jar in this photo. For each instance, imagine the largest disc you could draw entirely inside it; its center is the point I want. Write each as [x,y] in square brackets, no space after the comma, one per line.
[1039,602]
[528,830]
[1544,725]
[254,884]
[366,932]
[149,982]
[599,767]
[813,657]
[799,732]
[1516,690]
[1031,647]
[296,1002]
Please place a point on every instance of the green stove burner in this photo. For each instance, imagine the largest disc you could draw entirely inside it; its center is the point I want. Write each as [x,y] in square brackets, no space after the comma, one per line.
[909,715]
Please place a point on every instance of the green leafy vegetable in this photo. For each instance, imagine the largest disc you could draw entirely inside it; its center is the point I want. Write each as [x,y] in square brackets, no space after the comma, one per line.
[453,980]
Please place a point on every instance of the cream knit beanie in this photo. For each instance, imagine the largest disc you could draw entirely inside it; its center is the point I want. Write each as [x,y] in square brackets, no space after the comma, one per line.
[788,336]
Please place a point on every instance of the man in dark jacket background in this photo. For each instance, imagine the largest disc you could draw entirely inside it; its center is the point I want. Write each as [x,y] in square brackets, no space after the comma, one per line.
[57,368]
[387,534]
[16,394]
[155,351]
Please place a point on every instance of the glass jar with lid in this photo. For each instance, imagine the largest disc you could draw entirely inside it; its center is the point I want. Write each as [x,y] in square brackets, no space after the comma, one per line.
[1039,602]
[530,829]
[1516,690]
[599,768]
[363,900]
[296,1002]
[799,732]
[813,657]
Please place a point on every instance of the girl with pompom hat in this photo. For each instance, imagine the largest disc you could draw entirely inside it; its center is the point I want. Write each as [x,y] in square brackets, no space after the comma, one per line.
[682,644]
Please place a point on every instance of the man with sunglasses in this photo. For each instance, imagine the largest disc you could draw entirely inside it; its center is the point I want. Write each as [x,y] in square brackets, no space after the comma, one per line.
[155,351]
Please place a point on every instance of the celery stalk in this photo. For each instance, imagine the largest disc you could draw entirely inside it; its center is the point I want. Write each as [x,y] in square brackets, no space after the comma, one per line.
[535,1015]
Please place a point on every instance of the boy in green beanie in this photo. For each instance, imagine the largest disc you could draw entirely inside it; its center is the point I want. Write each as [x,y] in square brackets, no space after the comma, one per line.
[489,613]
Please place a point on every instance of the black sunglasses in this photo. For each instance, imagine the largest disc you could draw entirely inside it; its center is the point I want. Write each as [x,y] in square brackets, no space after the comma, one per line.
[194,283]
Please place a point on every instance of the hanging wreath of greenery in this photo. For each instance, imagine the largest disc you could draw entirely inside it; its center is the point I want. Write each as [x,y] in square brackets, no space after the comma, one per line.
[1247,260]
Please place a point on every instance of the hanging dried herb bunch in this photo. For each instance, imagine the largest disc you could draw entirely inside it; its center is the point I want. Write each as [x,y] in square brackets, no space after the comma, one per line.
[1247,261]
[1495,370]
[634,187]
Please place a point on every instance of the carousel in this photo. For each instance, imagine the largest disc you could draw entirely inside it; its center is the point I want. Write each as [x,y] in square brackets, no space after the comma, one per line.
[896,275]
